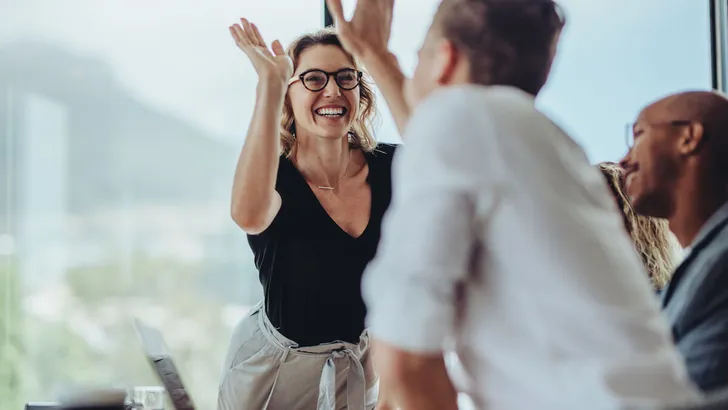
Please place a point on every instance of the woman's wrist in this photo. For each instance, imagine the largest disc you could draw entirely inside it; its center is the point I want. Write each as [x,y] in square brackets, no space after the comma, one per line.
[271,88]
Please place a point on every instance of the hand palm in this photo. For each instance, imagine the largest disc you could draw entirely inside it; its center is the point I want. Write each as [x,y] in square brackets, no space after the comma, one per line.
[276,64]
[280,65]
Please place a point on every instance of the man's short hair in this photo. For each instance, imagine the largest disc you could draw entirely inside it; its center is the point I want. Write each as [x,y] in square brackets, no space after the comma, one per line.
[508,42]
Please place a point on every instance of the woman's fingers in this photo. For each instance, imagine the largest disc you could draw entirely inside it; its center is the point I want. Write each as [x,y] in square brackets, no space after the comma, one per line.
[256,34]
[233,34]
[238,35]
[251,37]
[278,48]
[249,32]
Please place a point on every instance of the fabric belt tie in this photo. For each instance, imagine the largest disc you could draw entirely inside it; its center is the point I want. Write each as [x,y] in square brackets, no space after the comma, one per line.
[355,382]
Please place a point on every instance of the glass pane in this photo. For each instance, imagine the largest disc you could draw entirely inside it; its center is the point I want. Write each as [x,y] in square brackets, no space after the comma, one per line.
[615,56]
[120,126]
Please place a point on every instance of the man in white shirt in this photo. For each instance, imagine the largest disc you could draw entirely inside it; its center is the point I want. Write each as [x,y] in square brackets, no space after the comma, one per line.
[502,241]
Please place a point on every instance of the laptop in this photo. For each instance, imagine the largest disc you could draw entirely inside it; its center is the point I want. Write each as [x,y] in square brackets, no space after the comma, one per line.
[163,365]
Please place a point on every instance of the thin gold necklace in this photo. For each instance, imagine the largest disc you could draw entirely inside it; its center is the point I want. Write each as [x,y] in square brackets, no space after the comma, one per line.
[326,187]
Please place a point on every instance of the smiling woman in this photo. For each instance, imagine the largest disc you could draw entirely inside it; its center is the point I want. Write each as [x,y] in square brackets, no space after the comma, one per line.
[310,189]
[350,113]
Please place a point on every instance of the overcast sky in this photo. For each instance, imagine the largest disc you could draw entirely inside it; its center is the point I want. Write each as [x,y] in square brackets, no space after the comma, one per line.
[615,56]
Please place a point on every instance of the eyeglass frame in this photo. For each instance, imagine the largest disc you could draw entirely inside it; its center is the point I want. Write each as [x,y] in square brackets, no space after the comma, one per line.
[328,75]
[629,129]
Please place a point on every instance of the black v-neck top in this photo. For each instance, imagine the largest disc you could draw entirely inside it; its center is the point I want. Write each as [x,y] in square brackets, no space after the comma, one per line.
[309,267]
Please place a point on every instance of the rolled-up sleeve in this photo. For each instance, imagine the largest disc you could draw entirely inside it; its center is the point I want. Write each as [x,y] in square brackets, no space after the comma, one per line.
[428,234]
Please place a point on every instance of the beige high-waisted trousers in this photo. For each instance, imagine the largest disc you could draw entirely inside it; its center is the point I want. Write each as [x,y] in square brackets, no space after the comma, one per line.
[266,371]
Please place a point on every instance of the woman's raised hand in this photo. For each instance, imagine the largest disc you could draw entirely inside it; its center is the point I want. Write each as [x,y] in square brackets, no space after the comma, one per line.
[270,66]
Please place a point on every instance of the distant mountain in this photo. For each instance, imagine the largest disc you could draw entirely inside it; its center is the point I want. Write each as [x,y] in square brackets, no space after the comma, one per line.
[119,149]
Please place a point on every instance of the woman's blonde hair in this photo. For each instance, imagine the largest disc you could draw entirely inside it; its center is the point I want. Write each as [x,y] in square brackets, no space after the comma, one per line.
[360,135]
[652,237]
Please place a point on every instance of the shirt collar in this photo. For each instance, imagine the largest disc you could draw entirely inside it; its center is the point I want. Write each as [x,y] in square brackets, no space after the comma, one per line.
[718,217]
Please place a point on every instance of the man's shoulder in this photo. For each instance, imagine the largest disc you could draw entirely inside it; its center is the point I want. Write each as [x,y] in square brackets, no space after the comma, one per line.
[713,259]
[698,312]
[474,96]
[463,110]
[712,255]
[704,272]
[489,126]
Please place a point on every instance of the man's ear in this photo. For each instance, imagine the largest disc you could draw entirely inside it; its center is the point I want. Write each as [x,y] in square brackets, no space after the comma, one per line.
[446,61]
[691,139]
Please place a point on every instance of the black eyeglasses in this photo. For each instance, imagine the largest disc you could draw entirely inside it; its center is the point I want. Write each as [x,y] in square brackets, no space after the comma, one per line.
[629,129]
[317,80]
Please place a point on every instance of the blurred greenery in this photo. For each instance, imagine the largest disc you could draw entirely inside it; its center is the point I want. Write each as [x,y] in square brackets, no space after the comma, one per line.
[11,353]
[91,342]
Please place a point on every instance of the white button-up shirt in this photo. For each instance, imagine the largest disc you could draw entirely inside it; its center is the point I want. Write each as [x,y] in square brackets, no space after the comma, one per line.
[557,311]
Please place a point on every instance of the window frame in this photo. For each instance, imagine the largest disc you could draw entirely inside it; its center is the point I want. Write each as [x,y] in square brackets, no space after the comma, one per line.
[327,19]
[719,43]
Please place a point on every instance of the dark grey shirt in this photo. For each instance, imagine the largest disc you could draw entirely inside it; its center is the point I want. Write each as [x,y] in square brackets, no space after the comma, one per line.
[696,305]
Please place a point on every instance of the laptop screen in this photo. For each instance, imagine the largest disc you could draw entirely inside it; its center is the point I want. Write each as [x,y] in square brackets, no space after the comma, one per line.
[163,365]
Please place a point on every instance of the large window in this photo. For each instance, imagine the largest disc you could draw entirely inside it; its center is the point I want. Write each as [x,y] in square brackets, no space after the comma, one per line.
[120,126]
[614,57]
